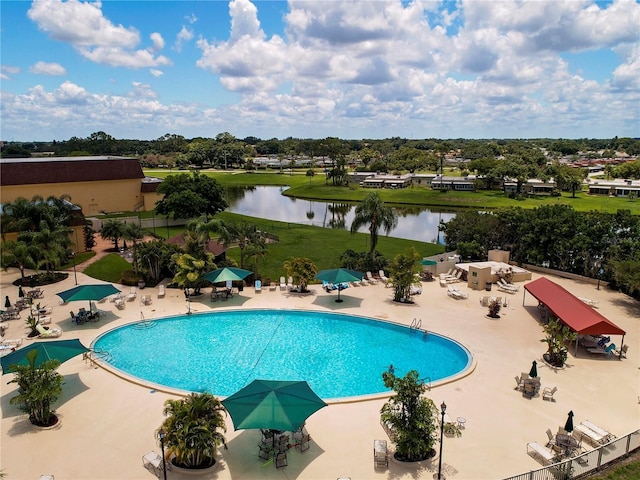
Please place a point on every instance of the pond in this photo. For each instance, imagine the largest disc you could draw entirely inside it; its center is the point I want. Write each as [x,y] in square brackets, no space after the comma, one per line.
[414,223]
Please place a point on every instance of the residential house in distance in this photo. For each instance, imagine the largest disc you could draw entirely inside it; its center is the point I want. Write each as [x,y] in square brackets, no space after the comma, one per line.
[615,188]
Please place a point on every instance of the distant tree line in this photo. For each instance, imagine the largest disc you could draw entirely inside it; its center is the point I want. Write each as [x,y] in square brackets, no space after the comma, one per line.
[593,244]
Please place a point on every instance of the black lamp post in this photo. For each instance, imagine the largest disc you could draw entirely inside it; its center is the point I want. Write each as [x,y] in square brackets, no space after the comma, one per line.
[75,275]
[443,409]
[161,435]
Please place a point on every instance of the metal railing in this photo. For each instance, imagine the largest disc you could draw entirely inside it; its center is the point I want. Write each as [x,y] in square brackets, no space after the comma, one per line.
[585,463]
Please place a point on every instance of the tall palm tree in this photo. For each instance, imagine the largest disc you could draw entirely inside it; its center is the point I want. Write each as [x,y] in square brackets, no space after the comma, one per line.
[372,211]
[112,230]
[21,254]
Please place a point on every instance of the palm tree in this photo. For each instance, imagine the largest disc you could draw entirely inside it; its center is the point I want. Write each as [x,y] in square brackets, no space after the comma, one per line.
[302,270]
[52,241]
[189,271]
[134,233]
[112,229]
[193,430]
[21,254]
[372,211]
[39,389]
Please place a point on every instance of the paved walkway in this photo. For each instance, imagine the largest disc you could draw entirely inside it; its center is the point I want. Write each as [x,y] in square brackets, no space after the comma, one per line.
[107,423]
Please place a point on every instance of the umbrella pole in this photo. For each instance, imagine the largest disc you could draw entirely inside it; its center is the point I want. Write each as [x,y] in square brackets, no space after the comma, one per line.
[339,300]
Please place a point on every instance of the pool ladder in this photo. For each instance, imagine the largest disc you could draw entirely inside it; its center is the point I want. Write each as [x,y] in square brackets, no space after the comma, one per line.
[143,323]
[416,324]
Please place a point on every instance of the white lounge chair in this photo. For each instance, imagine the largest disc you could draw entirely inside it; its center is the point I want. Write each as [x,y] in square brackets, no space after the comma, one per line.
[592,437]
[538,451]
[283,284]
[161,290]
[145,300]
[289,283]
[608,436]
[258,286]
[371,279]
[48,333]
[133,293]
[272,286]
[382,276]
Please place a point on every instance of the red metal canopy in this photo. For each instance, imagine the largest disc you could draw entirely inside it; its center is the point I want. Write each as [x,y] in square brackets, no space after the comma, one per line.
[572,311]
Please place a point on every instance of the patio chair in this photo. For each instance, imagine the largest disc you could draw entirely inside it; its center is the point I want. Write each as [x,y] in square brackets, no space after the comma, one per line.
[591,437]
[519,383]
[548,392]
[133,293]
[283,284]
[258,286]
[303,441]
[272,286]
[600,431]
[289,283]
[145,300]
[48,333]
[622,353]
[371,279]
[152,461]
[281,459]
[382,276]
[161,290]
[264,451]
[551,438]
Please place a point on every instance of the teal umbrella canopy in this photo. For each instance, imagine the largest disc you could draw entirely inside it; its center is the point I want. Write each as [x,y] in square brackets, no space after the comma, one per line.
[568,426]
[428,262]
[272,404]
[88,292]
[339,275]
[61,350]
[533,373]
[225,274]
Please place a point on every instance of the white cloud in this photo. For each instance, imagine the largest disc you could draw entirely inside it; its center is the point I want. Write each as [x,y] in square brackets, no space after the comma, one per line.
[184,35]
[95,37]
[156,73]
[6,71]
[191,19]
[44,68]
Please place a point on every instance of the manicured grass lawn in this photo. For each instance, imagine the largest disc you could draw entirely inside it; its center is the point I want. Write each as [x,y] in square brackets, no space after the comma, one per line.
[315,189]
[322,245]
[79,258]
[108,268]
[628,470]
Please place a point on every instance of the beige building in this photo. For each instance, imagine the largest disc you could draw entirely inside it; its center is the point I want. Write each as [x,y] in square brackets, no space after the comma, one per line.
[96,184]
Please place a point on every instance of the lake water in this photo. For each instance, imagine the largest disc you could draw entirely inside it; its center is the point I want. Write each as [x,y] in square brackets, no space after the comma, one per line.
[414,223]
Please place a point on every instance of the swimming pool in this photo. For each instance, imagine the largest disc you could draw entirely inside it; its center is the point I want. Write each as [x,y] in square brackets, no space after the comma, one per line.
[221,352]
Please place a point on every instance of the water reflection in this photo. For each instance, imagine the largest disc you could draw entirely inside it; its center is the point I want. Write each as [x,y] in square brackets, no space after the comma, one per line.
[414,223]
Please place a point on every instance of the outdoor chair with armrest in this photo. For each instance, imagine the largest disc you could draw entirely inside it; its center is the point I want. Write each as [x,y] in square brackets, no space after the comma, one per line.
[622,353]
[548,392]
[551,437]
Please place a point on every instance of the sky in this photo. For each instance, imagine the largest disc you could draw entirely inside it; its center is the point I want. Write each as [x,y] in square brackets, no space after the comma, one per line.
[315,69]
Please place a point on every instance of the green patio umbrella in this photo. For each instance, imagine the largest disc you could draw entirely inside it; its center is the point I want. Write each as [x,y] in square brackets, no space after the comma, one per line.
[61,350]
[533,373]
[428,262]
[225,274]
[88,292]
[338,276]
[569,425]
[272,404]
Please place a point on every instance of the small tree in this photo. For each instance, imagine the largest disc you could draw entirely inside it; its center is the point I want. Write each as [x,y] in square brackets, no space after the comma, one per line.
[193,430]
[557,337]
[402,271]
[302,270]
[38,389]
[494,308]
[411,416]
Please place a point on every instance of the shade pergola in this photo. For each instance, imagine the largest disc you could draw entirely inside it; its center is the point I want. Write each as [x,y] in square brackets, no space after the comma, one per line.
[571,311]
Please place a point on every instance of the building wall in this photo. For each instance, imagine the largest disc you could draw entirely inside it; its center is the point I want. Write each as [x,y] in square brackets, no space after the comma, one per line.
[93,197]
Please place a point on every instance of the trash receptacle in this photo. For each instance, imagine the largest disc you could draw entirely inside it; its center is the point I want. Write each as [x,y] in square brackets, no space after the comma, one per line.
[487,286]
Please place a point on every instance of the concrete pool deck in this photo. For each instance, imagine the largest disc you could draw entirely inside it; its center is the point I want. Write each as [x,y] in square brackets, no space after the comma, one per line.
[107,423]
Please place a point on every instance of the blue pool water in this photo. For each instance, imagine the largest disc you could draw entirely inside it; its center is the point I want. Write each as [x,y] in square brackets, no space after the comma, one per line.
[221,352]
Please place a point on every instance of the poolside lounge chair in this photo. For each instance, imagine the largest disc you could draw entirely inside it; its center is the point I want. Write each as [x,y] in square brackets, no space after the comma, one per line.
[548,392]
[48,333]
[120,303]
[289,283]
[600,431]
[603,351]
[588,301]
[380,454]
[133,293]
[283,284]
[161,290]
[41,311]
[382,276]
[507,287]
[258,286]
[592,437]
[371,279]
[145,300]
[13,342]
[272,286]
[538,451]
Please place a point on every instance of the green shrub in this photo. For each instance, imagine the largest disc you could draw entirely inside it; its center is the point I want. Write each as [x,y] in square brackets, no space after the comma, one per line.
[129,277]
